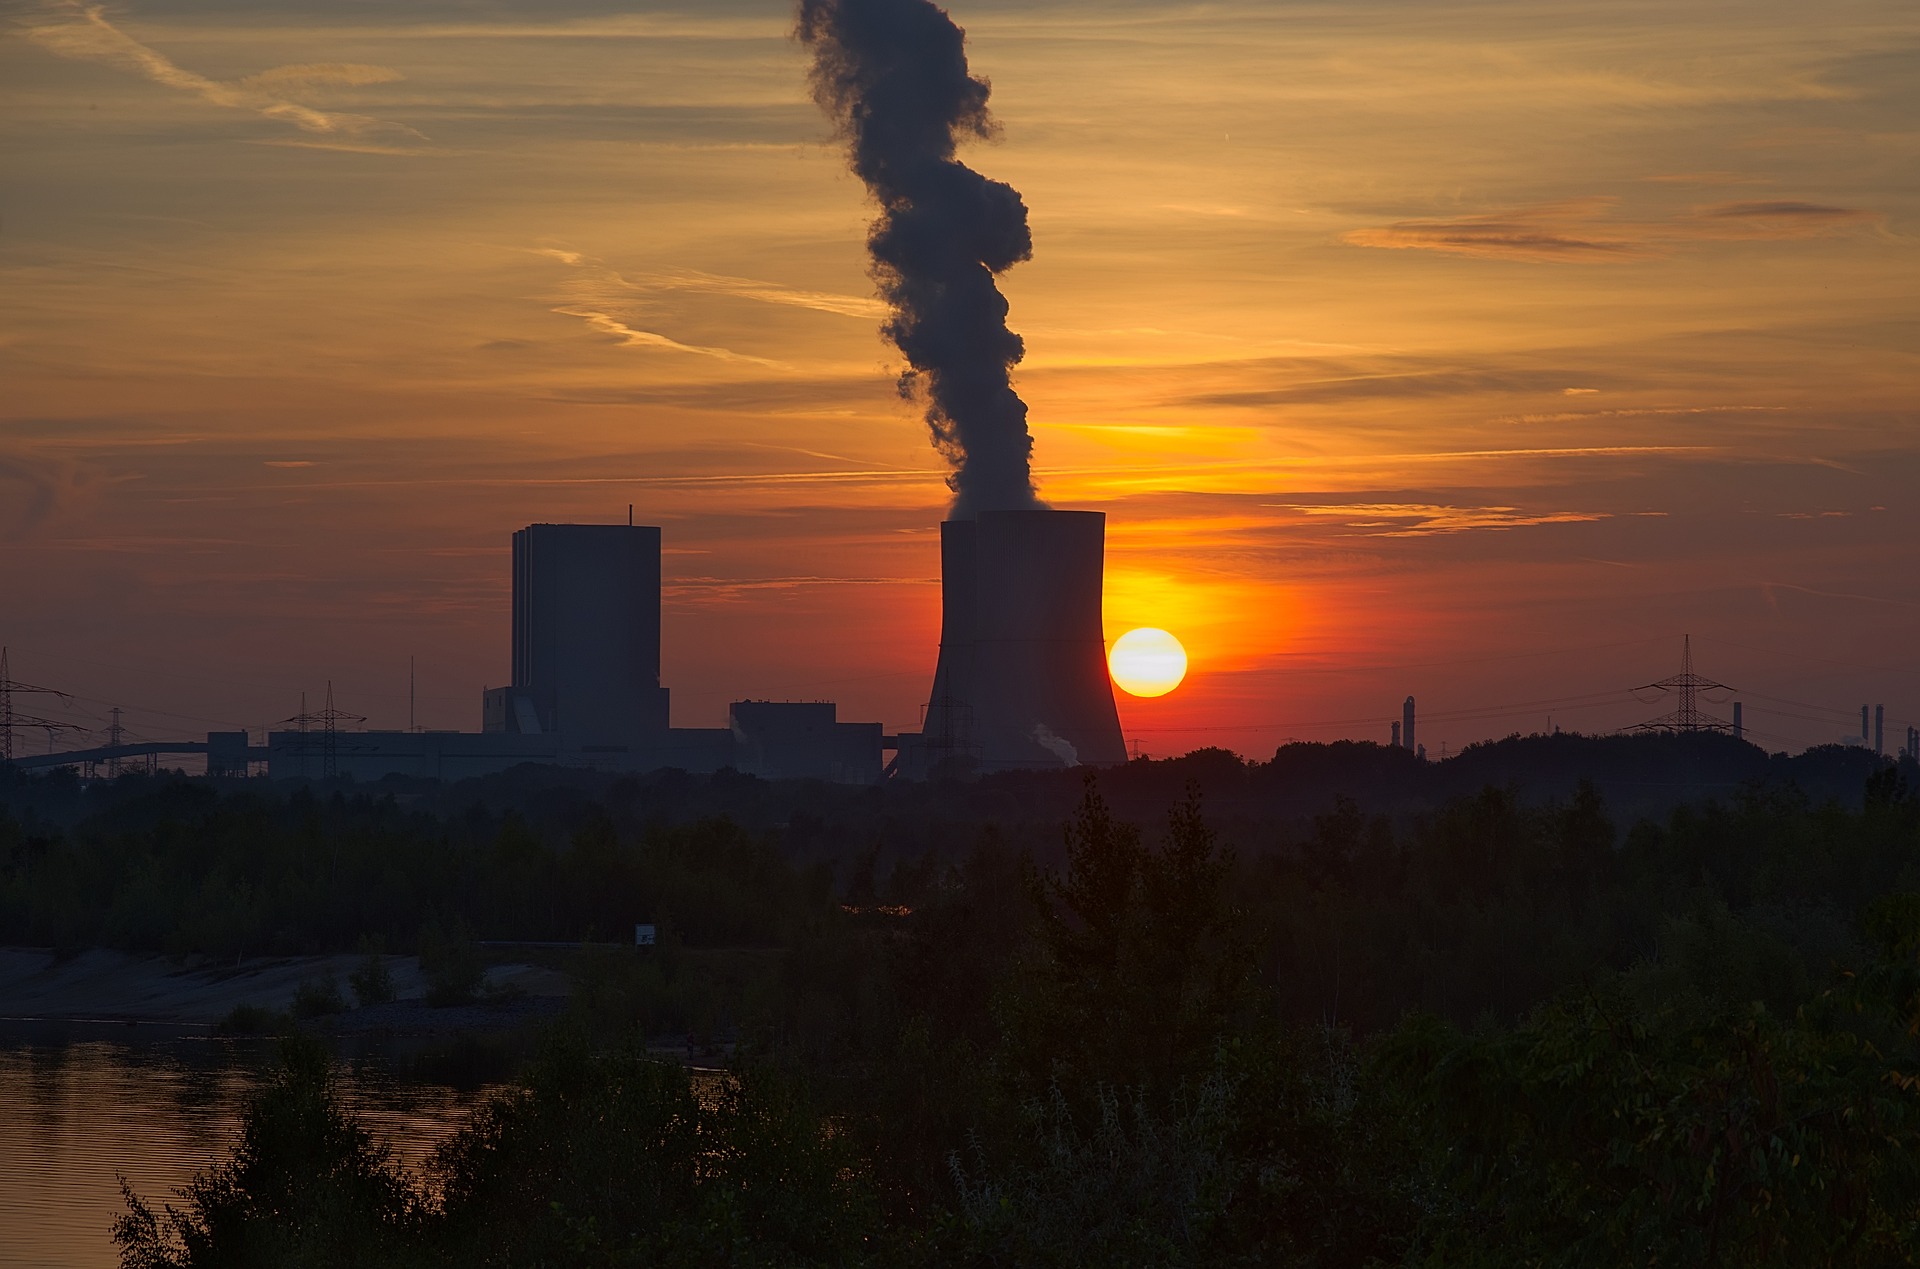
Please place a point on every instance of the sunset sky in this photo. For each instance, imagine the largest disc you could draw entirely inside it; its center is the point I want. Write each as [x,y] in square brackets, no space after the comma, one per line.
[1472,351]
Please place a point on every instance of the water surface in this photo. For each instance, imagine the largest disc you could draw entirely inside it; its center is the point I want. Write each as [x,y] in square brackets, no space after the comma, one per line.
[83,1105]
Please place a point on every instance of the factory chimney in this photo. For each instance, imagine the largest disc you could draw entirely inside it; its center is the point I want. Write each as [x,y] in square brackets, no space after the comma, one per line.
[1739,731]
[1406,725]
[1022,676]
[1395,742]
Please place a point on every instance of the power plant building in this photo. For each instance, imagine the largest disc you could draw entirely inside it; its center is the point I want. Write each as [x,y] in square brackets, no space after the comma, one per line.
[586,639]
[1021,682]
[585,692]
[803,740]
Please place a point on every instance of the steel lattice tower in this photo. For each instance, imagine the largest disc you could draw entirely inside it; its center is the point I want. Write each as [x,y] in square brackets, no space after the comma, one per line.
[329,720]
[1689,717]
[10,720]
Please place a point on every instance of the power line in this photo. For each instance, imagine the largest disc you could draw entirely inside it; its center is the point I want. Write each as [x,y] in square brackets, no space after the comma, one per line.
[10,720]
[329,720]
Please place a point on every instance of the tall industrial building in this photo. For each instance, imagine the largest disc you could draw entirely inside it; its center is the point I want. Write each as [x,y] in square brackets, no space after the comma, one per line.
[586,638]
[1022,677]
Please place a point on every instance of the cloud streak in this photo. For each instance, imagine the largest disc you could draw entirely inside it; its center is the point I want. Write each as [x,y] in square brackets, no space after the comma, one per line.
[631,337]
[82,33]
[1412,519]
[765,292]
[1579,231]
[1552,232]
[600,284]
[1419,384]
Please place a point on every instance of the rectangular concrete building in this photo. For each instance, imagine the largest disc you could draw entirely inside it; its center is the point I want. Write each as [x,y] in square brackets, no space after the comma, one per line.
[586,639]
[803,740]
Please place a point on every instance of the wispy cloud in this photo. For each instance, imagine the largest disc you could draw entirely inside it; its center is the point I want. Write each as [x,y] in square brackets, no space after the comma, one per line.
[34,488]
[631,337]
[1415,384]
[1579,231]
[1413,519]
[320,75]
[765,292]
[1630,412]
[607,280]
[596,293]
[1772,220]
[1564,232]
[83,33]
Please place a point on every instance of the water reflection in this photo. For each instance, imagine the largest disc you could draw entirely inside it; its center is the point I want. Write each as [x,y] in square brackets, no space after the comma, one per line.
[82,1106]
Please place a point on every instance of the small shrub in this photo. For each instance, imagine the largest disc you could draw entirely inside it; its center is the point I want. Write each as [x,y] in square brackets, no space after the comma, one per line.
[451,962]
[502,993]
[252,1020]
[318,997]
[372,982]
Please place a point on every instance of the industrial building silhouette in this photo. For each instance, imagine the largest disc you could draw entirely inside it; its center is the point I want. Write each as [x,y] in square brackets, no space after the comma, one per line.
[1022,678]
[1021,682]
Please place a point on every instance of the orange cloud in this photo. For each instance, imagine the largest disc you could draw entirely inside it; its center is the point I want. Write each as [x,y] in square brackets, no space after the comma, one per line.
[1783,219]
[1408,520]
[85,34]
[1578,231]
[1552,232]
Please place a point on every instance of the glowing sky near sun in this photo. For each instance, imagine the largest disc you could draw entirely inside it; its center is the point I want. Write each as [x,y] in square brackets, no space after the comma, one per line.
[1473,351]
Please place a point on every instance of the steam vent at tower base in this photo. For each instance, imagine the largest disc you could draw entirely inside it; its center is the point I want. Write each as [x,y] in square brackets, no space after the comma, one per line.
[1022,678]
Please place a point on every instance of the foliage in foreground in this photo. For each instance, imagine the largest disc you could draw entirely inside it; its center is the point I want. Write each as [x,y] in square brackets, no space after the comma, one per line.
[1115,1087]
[596,1159]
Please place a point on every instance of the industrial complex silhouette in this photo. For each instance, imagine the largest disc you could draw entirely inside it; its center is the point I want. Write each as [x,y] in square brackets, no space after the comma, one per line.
[1021,682]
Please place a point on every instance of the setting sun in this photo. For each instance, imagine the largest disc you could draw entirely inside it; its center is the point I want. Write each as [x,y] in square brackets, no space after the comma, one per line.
[1147,662]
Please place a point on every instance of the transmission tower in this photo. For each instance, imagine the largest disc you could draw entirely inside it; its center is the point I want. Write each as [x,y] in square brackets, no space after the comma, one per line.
[328,720]
[116,736]
[10,720]
[1689,717]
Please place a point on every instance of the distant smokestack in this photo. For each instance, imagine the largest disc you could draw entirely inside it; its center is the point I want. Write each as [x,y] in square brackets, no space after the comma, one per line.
[1022,678]
[1406,725]
[893,74]
[1395,742]
[1739,732]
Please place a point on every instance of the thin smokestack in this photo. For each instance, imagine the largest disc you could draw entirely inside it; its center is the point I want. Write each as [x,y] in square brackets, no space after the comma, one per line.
[893,74]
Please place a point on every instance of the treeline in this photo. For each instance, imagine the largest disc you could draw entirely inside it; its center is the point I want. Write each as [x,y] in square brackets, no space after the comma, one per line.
[180,866]
[1487,904]
[1497,1036]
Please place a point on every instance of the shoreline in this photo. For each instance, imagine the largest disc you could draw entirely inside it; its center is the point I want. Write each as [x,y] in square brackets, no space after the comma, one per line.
[100,986]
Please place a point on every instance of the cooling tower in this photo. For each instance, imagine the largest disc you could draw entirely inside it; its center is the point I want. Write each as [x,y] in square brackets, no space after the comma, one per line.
[1022,677]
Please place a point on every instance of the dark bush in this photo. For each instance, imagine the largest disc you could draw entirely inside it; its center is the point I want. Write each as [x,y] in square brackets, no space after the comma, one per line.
[318,997]
[451,964]
[371,980]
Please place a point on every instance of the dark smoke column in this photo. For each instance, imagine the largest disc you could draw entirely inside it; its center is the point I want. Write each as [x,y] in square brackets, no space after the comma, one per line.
[893,73]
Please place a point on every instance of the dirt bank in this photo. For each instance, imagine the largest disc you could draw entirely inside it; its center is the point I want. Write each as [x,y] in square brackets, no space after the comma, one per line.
[118,986]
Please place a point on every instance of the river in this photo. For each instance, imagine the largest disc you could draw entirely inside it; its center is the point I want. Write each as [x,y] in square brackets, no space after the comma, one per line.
[82,1105]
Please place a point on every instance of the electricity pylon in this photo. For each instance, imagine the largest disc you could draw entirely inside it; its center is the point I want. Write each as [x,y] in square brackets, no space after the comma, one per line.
[1689,717]
[10,720]
[329,720]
